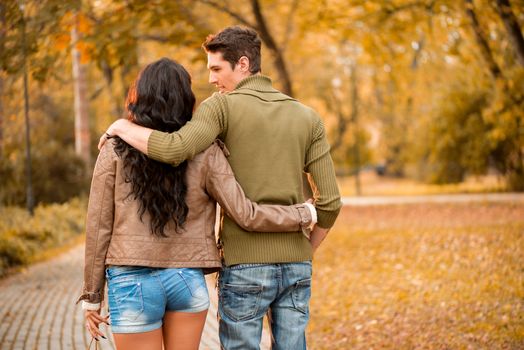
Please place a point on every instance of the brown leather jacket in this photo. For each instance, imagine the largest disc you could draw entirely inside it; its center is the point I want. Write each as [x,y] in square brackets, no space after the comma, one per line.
[115,235]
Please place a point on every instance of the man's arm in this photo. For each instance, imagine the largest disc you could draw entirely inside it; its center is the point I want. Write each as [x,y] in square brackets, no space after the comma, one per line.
[320,166]
[207,123]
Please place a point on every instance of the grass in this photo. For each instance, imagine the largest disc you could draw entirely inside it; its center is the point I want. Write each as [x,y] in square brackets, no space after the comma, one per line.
[373,185]
[426,276]
[25,239]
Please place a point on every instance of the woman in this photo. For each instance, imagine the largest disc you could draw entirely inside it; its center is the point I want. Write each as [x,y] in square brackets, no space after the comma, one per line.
[150,226]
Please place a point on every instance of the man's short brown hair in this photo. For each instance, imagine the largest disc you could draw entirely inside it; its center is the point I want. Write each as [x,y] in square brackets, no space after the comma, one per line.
[235,42]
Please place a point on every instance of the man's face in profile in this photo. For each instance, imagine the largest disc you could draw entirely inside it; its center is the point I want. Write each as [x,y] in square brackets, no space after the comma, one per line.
[221,74]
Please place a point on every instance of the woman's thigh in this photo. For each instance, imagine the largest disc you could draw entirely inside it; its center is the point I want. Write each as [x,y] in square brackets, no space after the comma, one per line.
[183,330]
[144,341]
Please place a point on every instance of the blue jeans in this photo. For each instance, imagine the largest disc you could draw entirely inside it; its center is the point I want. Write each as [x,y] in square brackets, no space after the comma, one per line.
[248,291]
[139,297]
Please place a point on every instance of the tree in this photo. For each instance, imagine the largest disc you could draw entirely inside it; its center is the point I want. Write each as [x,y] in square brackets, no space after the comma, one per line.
[2,40]
[82,135]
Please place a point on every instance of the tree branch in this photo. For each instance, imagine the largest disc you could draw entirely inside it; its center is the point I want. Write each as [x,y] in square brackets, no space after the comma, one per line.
[391,10]
[153,37]
[481,41]
[231,13]
[271,44]
[289,24]
[513,28]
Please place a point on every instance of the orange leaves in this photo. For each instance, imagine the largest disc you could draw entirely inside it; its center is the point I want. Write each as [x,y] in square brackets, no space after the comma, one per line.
[428,276]
[85,51]
[62,41]
[83,24]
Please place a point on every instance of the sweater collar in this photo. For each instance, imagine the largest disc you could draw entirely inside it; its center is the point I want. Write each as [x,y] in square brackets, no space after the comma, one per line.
[257,82]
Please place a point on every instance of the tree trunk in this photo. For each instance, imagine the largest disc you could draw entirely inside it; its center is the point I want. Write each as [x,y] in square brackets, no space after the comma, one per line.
[342,121]
[1,117]
[82,135]
[267,38]
[513,28]
[2,36]
[354,119]
[481,41]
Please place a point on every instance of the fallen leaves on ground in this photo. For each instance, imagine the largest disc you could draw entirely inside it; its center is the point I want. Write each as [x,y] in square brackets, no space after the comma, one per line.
[429,276]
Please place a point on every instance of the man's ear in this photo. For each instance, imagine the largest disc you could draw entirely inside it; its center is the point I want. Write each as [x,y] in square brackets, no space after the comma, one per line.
[243,64]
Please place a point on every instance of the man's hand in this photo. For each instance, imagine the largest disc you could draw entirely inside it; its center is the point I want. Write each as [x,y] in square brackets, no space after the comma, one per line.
[317,236]
[114,129]
[110,132]
[135,135]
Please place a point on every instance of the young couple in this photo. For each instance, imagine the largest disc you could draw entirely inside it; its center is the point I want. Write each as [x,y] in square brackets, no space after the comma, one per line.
[151,213]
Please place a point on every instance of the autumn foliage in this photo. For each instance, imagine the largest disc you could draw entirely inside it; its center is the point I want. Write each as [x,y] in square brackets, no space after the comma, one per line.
[421,276]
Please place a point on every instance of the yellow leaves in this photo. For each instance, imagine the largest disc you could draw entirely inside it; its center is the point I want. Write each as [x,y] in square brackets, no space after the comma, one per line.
[378,284]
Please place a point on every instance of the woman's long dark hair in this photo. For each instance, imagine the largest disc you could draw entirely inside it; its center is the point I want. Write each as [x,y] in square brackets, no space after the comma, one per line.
[160,99]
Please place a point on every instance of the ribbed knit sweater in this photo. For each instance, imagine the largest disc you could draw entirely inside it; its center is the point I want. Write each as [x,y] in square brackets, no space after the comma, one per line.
[273,139]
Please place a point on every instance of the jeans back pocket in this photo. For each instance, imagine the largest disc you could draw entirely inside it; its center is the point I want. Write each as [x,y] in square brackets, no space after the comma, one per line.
[301,294]
[125,290]
[240,302]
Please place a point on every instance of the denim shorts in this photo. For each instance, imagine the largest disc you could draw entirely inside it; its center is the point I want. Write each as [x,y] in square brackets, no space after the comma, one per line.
[139,297]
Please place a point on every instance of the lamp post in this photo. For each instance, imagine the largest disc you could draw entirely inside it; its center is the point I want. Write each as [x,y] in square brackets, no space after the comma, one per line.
[30,199]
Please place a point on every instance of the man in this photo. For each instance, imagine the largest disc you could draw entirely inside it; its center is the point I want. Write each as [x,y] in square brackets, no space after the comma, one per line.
[272,139]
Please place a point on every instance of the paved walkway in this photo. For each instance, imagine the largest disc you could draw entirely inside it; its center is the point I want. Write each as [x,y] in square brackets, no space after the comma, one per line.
[38,311]
[37,306]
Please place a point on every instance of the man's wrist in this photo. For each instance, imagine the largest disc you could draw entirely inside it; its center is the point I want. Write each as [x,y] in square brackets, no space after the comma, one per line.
[313,213]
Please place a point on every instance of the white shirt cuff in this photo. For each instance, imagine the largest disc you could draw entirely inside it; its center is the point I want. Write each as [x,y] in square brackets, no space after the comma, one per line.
[313,212]
[90,306]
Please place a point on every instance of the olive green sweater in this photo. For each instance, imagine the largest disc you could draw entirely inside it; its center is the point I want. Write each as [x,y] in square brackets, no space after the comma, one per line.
[272,139]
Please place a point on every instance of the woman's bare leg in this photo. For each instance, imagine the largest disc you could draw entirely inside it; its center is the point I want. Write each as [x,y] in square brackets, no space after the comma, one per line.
[143,341]
[183,330]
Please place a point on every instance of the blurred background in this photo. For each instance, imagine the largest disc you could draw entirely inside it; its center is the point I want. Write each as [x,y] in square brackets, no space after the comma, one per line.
[430,91]
[418,97]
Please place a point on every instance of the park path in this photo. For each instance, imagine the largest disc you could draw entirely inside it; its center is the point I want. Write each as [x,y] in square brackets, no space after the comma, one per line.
[38,311]
[436,198]
[37,305]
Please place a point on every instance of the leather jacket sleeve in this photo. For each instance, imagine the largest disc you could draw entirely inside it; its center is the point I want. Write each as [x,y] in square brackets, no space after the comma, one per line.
[223,187]
[99,225]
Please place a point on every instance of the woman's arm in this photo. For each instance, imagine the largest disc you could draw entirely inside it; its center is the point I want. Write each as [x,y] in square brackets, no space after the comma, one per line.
[99,227]
[223,187]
